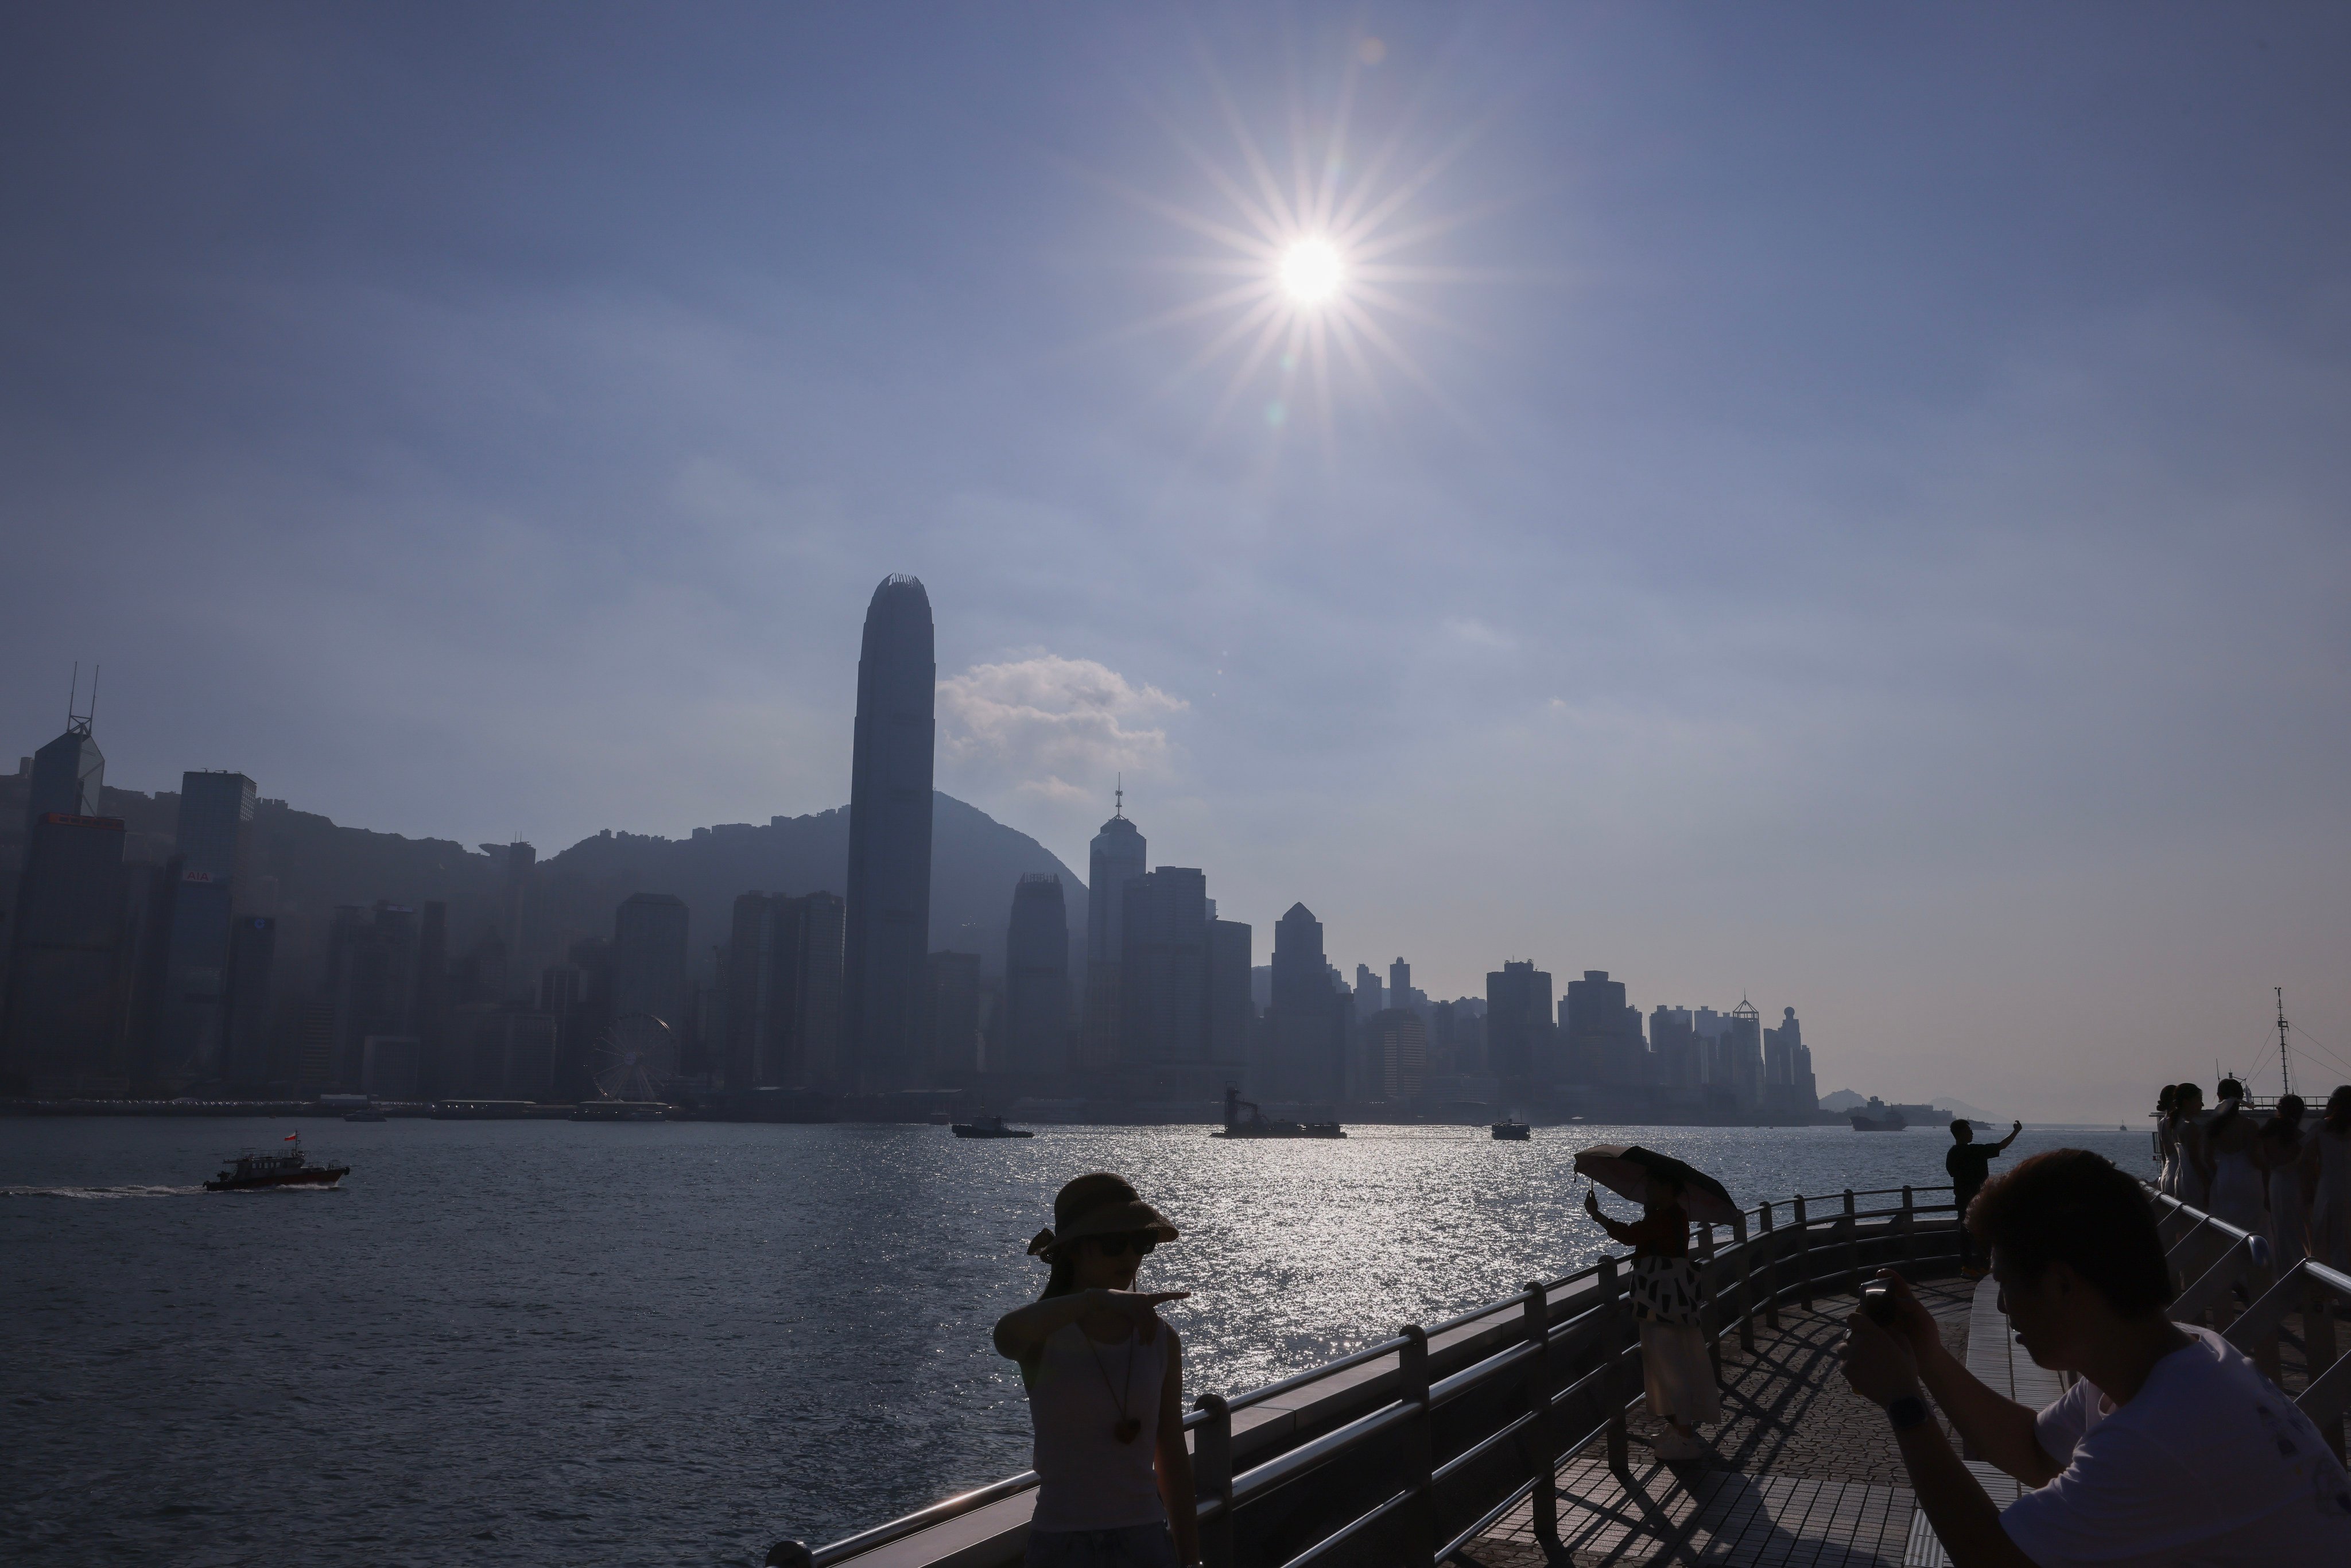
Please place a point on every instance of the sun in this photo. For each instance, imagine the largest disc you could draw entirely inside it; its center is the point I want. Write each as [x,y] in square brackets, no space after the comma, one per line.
[1312,271]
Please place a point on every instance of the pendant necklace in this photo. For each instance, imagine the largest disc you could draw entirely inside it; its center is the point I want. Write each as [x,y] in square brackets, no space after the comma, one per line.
[1128,1427]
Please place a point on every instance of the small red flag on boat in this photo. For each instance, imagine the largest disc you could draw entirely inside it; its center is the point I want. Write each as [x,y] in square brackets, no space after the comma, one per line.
[290,1137]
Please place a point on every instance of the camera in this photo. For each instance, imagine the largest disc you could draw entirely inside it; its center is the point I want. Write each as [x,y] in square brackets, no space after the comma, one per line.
[1877,1300]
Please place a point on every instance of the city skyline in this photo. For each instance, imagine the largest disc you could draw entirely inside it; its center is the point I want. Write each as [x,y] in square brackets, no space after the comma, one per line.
[1778,584]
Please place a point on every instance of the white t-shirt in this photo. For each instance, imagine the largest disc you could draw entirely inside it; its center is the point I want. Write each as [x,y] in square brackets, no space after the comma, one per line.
[2210,1463]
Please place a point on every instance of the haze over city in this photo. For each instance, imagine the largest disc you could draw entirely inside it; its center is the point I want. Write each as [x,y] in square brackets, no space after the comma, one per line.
[1846,507]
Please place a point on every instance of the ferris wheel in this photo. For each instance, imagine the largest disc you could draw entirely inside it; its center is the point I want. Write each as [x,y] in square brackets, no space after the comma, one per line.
[636,1059]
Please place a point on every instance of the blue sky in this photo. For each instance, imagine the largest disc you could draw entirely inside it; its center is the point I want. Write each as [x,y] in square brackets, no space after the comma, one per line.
[1856,513]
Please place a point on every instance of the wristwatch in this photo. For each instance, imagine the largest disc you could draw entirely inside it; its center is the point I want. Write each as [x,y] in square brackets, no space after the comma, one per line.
[1906,1412]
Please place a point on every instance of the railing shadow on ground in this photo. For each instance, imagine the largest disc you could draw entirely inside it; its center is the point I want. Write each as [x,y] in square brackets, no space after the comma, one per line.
[1411,1448]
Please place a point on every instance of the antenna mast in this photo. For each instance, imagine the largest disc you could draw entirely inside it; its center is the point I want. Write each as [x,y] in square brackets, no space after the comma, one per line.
[2285,1079]
[1118,798]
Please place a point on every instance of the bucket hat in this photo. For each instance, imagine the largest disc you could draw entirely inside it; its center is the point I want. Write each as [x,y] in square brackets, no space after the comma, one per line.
[1099,1203]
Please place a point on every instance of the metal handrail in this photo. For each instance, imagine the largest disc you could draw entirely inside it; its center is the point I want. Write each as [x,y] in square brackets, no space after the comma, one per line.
[1792,1239]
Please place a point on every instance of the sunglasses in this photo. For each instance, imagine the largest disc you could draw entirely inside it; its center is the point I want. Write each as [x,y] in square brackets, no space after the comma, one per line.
[1139,1242]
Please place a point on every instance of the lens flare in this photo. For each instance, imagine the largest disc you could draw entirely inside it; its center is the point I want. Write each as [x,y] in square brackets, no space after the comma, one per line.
[1312,271]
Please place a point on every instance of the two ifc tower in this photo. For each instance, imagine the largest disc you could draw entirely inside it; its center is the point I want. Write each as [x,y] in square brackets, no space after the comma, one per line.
[887,942]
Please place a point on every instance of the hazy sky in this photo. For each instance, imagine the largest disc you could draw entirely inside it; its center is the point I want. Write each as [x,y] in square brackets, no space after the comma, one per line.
[1841,503]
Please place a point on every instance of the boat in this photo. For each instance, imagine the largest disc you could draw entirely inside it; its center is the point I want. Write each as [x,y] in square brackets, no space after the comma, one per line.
[1510,1130]
[620,1110]
[1878,1116]
[250,1172]
[988,1127]
[1255,1125]
[367,1116]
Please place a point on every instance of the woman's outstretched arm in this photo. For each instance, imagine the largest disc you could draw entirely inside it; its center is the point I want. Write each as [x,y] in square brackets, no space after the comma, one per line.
[1020,1333]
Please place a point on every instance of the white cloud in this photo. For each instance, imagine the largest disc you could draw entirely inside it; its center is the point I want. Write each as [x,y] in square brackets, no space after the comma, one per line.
[1052,727]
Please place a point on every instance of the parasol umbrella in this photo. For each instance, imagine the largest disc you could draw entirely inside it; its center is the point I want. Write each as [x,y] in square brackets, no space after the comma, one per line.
[1624,1170]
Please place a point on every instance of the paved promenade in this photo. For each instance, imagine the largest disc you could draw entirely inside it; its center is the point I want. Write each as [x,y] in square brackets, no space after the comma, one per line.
[1807,1471]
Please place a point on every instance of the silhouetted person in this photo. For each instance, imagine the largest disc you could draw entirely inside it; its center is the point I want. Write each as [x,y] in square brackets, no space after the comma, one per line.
[1677,1373]
[2170,1447]
[1105,1382]
[1969,1163]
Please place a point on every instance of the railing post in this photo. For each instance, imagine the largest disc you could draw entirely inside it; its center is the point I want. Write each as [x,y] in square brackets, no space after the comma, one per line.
[1709,1309]
[1612,1385]
[1212,1474]
[1545,1459]
[1746,1284]
[1418,1518]
[1909,1227]
[1804,1234]
[1852,1247]
[1772,1271]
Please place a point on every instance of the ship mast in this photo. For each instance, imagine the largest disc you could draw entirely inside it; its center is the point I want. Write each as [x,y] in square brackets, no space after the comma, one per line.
[2286,1074]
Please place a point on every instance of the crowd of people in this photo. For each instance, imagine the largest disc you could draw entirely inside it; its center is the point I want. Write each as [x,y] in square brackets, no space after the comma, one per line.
[2168,1445]
[2274,1176]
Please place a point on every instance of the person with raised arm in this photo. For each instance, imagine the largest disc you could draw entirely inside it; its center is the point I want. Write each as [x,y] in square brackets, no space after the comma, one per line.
[1105,1382]
[2171,1448]
[1668,1295]
[1969,1165]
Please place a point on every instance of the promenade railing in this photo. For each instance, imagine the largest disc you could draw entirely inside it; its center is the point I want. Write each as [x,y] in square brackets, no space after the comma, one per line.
[1412,1447]
[2229,1277]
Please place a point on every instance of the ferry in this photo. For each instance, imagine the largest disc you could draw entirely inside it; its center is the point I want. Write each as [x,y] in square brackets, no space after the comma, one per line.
[1510,1129]
[988,1127]
[251,1172]
[1257,1126]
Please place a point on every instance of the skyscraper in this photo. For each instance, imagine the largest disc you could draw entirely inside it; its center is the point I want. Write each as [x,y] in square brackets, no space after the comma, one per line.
[1517,1021]
[784,992]
[69,775]
[1602,1043]
[953,1002]
[245,1028]
[1368,998]
[1115,858]
[209,843]
[888,907]
[1232,1009]
[62,1015]
[1398,1064]
[649,959]
[1306,1021]
[1035,1035]
[1163,968]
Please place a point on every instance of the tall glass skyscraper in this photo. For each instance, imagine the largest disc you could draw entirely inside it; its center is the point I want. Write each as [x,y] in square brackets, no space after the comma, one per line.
[887,944]
[1115,860]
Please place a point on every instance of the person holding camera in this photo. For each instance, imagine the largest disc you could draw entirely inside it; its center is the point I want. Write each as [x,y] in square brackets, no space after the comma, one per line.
[2171,1448]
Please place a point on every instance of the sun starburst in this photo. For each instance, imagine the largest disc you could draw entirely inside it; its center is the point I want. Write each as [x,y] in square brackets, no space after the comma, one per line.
[1321,270]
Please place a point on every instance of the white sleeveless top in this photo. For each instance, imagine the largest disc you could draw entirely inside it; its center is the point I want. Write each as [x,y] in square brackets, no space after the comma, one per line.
[1088,1478]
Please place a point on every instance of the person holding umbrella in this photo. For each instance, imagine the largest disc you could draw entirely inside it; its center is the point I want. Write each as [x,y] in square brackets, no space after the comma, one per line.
[1666,1290]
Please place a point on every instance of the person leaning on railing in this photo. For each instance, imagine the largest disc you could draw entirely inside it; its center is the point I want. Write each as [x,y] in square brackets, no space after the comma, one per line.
[2172,1448]
[1105,1382]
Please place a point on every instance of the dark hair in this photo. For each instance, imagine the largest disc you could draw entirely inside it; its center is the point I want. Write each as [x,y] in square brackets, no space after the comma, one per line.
[2163,1101]
[2074,1206]
[2231,1089]
[2338,1109]
[1077,1198]
[1962,1125]
[2286,1120]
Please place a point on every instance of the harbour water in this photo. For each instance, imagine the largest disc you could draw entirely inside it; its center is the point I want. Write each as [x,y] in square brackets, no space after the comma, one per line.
[549,1342]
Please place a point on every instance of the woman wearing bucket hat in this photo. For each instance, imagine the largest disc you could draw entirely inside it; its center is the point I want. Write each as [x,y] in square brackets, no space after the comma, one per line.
[1105,1382]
